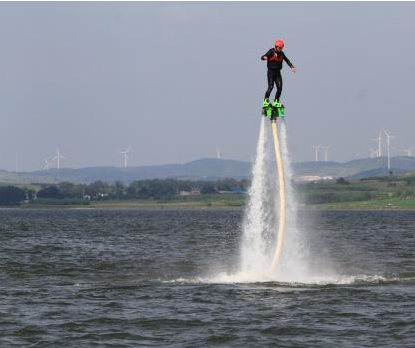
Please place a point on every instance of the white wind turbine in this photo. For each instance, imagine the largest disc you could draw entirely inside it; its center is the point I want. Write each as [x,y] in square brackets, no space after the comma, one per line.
[17,162]
[47,164]
[58,157]
[379,140]
[373,153]
[126,157]
[218,153]
[316,147]
[326,148]
[388,137]
[408,151]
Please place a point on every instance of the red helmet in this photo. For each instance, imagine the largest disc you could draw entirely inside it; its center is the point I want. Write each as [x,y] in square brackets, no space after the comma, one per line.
[279,43]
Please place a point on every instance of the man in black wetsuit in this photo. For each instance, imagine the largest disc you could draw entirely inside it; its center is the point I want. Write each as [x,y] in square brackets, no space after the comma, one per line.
[274,58]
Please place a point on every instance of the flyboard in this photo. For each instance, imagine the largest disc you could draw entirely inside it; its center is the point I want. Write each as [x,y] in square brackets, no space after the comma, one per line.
[276,111]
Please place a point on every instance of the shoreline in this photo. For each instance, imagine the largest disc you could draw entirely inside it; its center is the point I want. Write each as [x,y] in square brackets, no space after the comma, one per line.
[146,205]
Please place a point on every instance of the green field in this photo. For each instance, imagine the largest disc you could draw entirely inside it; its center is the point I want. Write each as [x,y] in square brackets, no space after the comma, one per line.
[380,204]
[376,193]
[209,201]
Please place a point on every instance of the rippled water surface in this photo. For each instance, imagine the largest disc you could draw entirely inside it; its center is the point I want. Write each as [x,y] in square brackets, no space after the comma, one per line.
[92,278]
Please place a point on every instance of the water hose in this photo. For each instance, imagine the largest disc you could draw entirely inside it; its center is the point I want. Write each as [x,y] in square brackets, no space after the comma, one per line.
[281,184]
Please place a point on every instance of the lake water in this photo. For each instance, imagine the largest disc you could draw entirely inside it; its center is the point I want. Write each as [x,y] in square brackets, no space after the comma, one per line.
[105,278]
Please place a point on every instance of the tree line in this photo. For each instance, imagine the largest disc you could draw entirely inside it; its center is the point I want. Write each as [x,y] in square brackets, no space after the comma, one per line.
[164,189]
[99,190]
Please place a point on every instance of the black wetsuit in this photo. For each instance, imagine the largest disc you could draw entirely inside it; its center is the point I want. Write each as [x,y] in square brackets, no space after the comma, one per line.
[274,65]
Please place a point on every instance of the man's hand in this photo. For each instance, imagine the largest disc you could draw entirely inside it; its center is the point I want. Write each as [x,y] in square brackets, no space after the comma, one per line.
[294,69]
[263,58]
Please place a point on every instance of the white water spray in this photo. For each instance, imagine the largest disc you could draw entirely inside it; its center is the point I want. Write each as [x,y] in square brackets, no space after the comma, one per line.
[294,265]
[255,246]
[262,222]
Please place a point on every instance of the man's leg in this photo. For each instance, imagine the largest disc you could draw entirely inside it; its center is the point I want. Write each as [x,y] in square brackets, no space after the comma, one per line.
[278,82]
[270,77]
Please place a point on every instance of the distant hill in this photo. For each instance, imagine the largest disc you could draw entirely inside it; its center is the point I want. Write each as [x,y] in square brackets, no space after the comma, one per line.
[206,169]
[210,169]
[356,169]
[13,178]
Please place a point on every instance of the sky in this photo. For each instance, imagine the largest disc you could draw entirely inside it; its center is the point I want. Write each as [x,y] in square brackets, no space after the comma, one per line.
[177,81]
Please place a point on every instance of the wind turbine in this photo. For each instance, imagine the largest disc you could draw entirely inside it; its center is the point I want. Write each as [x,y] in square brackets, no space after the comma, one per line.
[388,137]
[47,164]
[58,157]
[408,151]
[218,153]
[373,153]
[316,147]
[326,148]
[17,162]
[126,158]
[379,139]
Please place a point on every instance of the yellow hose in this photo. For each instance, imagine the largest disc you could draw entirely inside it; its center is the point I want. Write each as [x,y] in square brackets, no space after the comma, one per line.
[281,227]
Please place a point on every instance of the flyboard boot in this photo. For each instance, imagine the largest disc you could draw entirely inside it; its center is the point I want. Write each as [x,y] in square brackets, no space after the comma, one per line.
[278,109]
[266,108]
[273,110]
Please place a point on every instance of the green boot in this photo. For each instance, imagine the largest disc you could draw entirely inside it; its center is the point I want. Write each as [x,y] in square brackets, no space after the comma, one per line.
[266,108]
[276,103]
[278,108]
